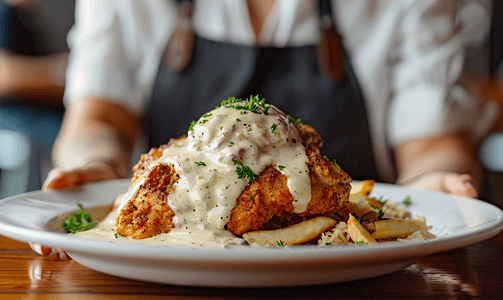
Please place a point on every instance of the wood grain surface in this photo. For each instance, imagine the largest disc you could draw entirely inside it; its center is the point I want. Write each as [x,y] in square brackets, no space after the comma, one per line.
[471,272]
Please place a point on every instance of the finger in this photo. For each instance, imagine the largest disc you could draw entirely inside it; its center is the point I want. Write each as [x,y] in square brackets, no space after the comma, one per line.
[92,172]
[58,179]
[459,185]
[54,253]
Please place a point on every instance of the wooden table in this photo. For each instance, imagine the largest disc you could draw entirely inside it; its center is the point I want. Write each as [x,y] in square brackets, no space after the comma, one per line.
[472,272]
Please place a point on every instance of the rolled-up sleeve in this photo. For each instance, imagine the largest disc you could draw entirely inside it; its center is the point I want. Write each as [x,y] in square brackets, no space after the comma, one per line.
[115,48]
[96,64]
[426,65]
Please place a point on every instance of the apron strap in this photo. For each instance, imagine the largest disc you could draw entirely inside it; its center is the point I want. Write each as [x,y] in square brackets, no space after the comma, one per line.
[329,49]
[178,53]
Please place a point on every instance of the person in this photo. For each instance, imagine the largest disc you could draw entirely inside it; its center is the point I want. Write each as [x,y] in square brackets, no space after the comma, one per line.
[395,116]
[33,59]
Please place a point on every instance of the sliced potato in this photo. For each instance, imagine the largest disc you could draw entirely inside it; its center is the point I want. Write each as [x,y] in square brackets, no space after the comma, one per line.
[363,187]
[357,232]
[359,206]
[296,234]
[373,202]
[385,229]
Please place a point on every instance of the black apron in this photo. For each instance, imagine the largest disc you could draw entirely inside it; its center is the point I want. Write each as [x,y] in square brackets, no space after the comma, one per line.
[288,78]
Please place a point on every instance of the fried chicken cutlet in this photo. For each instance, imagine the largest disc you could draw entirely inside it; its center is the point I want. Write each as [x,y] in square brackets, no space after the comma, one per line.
[148,212]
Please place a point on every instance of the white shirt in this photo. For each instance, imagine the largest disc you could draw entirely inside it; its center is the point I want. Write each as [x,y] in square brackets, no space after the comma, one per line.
[402,52]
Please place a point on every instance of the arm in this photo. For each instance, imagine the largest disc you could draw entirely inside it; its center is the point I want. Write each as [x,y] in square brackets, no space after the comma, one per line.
[95,143]
[33,76]
[436,164]
[430,118]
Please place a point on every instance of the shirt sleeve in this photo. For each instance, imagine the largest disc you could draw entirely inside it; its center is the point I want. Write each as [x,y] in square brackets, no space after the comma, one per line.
[98,64]
[425,67]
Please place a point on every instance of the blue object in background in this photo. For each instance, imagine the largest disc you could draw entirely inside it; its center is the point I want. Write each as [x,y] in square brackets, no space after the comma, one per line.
[28,129]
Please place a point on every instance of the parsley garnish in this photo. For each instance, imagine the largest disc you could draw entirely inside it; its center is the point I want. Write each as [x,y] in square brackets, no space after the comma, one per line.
[406,201]
[280,243]
[380,213]
[281,167]
[380,200]
[116,235]
[251,195]
[80,221]
[244,172]
[328,244]
[253,104]
[238,120]
[206,115]
[292,120]
[360,243]
[231,144]
[203,121]
[273,128]
[200,163]
[191,128]
[335,163]
[359,220]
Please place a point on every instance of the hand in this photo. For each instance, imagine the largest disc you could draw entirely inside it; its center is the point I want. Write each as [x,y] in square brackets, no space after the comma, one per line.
[53,253]
[446,182]
[90,172]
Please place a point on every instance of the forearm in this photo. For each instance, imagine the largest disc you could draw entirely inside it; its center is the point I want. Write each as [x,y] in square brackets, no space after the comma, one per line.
[453,153]
[23,75]
[96,131]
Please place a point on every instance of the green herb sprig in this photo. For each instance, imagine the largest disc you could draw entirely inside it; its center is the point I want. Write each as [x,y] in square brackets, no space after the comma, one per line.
[252,104]
[245,171]
[273,127]
[80,221]
[380,200]
[335,163]
[294,121]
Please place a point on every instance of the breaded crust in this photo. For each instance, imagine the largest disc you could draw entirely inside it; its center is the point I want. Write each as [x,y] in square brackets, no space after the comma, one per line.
[149,214]
[270,196]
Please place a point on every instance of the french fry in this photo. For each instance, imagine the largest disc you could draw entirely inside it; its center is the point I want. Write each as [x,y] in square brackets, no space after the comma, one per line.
[296,234]
[385,229]
[357,232]
[359,205]
[363,187]
[373,202]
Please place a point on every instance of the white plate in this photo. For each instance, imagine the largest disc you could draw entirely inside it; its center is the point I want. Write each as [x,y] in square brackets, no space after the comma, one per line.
[456,221]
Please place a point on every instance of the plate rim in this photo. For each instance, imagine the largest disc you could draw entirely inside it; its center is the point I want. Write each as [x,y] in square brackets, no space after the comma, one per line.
[233,254]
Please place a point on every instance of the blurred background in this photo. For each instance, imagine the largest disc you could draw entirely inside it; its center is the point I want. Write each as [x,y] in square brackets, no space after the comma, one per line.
[33,58]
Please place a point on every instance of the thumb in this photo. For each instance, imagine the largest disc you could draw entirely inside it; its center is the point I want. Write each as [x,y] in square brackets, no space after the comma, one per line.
[91,172]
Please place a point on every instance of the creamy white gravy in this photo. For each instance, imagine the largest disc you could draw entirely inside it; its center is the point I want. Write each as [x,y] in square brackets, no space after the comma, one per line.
[209,185]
